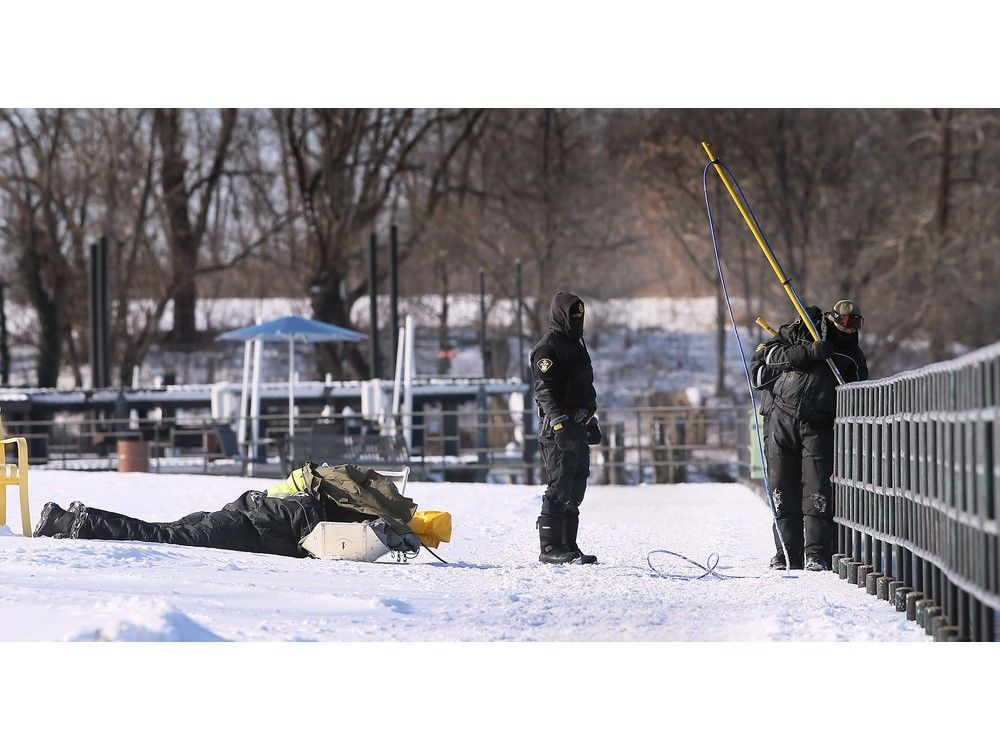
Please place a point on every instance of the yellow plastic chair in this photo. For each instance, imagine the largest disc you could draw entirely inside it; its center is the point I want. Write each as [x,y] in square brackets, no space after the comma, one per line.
[15,474]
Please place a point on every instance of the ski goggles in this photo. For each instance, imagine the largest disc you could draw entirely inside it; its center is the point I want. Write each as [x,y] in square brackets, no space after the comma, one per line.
[854,322]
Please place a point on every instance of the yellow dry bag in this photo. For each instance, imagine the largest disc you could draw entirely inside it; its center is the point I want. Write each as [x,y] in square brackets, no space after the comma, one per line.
[432,526]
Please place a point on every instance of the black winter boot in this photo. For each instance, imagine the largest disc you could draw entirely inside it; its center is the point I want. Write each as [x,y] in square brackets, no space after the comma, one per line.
[570,528]
[816,563]
[550,537]
[778,562]
[791,533]
[54,521]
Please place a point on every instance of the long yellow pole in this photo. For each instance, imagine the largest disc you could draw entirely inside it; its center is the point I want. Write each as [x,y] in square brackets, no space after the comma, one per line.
[763,324]
[786,283]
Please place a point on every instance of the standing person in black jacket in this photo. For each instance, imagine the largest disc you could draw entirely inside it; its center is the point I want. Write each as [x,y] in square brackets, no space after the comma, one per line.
[800,411]
[567,403]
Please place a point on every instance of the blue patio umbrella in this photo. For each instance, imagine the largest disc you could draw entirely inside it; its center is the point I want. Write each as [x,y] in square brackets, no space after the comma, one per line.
[290,328]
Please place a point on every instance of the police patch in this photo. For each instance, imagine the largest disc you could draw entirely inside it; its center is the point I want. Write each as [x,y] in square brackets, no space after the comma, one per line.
[544,364]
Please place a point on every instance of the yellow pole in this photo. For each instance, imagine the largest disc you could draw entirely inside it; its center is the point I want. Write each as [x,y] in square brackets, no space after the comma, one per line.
[765,326]
[786,283]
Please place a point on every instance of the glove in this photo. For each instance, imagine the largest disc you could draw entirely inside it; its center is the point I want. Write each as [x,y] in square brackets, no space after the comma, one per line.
[820,350]
[803,354]
[593,432]
[566,433]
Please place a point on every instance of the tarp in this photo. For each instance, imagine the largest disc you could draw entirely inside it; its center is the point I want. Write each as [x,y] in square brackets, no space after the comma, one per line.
[356,487]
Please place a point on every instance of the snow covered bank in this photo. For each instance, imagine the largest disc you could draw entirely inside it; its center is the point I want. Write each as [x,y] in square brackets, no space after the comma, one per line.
[494,589]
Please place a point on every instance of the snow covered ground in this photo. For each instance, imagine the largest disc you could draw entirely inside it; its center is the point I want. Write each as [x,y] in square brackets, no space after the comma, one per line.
[493,589]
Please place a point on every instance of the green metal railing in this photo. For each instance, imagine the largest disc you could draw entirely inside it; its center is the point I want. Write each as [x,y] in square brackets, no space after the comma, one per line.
[648,444]
[915,482]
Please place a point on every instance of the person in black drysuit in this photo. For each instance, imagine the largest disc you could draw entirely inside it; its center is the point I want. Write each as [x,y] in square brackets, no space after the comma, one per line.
[567,402]
[254,522]
[799,408]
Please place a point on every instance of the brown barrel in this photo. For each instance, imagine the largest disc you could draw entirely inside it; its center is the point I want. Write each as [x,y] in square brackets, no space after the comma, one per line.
[133,455]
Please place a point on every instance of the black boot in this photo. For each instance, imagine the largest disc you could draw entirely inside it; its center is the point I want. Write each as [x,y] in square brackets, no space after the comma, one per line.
[54,521]
[816,563]
[570,528]
[550,537]
[791,533]
[778,561]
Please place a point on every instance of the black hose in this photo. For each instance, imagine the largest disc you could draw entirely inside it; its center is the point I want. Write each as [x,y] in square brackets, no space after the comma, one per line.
[739,341]
[708,567]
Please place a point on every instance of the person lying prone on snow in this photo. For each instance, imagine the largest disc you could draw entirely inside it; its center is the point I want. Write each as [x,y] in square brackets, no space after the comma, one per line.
[262,521]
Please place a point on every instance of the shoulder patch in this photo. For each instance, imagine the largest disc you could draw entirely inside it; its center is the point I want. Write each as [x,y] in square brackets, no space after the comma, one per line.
[544,364]
[760,346]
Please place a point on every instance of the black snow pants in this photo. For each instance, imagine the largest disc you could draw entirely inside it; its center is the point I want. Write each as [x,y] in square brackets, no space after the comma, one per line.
[567,472]
[799,468]
[253,522]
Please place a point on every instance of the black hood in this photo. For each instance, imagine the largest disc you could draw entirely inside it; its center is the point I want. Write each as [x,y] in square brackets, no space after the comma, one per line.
[567,314]
[814,313]
[819,321]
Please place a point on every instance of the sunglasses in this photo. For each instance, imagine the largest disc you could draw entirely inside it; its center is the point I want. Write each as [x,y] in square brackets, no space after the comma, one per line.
[850,321]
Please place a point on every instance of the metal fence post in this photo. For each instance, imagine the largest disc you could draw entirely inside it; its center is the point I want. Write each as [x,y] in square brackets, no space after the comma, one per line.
[638,447]
[482,427]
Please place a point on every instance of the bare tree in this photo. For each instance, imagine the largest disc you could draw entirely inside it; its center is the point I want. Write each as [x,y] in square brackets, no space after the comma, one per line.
[671,171]
[345,168]
[542,190]
[894,208]
[38,212]
[188,191]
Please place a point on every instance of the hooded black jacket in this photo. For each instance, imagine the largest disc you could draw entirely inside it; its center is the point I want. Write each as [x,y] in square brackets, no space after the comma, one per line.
[560,364]
[800,387]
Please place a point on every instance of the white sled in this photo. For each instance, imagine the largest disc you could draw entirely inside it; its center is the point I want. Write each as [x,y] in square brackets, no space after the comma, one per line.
[331,540]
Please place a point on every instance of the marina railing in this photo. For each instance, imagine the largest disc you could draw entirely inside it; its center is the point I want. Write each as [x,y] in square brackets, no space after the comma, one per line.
[641,444]
[915,483]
